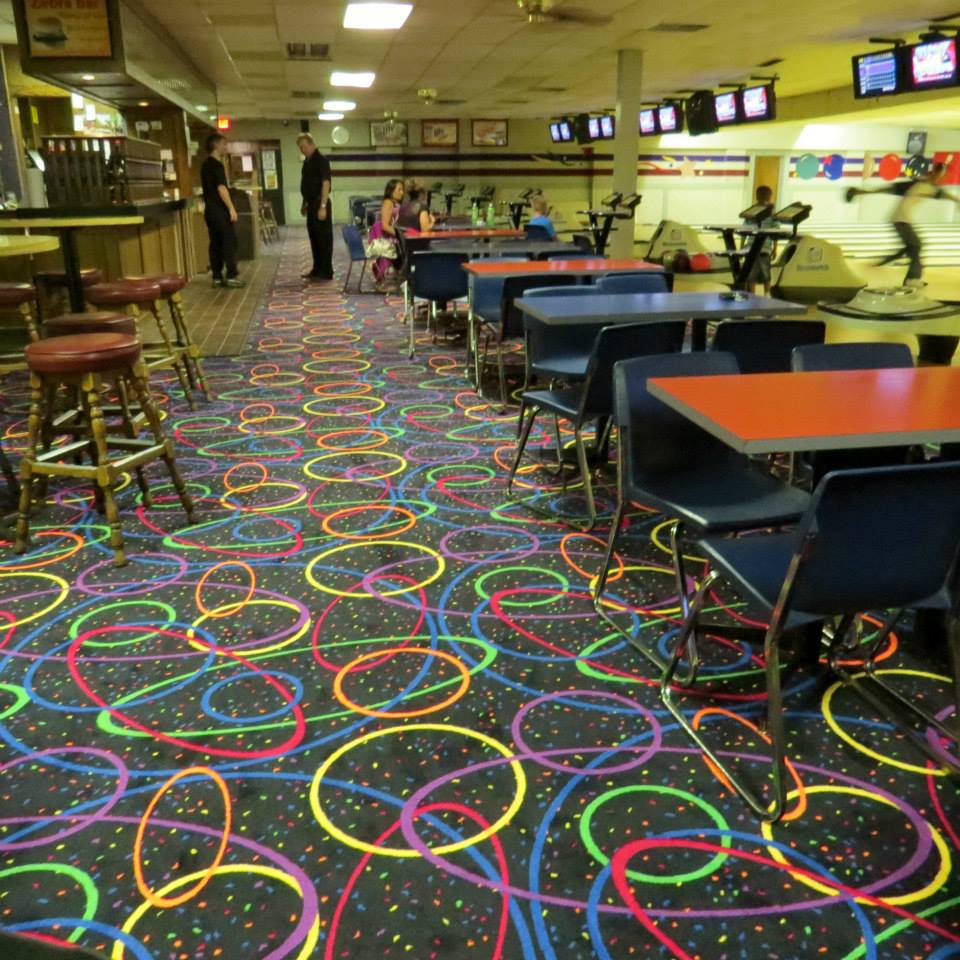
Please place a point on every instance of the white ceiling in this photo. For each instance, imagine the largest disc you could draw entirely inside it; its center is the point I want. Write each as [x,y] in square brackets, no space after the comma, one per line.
[484,53]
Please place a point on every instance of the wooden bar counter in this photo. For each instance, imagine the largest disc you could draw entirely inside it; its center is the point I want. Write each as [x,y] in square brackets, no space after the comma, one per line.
[119,239]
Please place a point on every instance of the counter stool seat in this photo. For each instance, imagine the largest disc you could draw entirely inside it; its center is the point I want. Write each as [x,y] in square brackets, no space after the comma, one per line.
[58,278]
[81,353]
[16,294]
[101,321]
[82,363]
[169,282]
[122,292]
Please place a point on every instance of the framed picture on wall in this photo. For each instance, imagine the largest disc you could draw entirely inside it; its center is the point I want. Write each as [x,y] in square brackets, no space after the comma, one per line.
[489,133]
[439,133]
[388,133]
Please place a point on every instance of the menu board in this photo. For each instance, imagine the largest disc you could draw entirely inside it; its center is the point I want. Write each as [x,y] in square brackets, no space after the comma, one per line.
[68,28]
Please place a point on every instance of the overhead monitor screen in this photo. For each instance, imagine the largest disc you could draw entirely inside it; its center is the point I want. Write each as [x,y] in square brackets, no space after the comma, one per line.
[757,103]
[555,132]
[566,132]
[725,107]
[934,64]
[607,127]
[593,125]
[667,115]
[648,121]
[876,74]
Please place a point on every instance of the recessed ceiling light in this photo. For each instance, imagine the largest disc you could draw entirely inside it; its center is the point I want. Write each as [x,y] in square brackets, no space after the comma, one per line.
[376,16]
[329,116]
[202,106]
[144,103]
[88,77]
[339,105]
[339,78]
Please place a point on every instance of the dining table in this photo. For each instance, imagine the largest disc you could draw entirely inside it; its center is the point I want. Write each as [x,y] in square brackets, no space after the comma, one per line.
[66,227]
[762,413]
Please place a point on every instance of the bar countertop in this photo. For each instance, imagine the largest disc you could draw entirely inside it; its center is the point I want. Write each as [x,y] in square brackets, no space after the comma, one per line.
[143,208]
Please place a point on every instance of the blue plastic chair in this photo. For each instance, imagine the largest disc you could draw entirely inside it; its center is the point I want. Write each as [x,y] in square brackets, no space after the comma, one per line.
[438,278]
[509,324]
[668,463]
[853,356]
[560,352]
[534,231]
[592,402]
[879,539]
[766,346]
[354,243]
[648,282]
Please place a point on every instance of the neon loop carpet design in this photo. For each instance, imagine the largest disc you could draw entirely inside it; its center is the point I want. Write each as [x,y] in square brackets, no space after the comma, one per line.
[364,708]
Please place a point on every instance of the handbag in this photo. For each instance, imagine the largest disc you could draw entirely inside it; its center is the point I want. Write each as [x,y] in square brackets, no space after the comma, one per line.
[381,247]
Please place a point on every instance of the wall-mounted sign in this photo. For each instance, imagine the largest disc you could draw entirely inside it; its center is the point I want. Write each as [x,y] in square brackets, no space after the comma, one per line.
[68,28]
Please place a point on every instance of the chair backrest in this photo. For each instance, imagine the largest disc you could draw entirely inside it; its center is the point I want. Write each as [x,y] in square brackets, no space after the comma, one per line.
[578,290]
[354,242]
[766,346]
[511,319]
[851,356]
[533,231]
[620,342]
[438,276]
[881,538]
[583,241]
[647,282]
[655,438]
[488,292]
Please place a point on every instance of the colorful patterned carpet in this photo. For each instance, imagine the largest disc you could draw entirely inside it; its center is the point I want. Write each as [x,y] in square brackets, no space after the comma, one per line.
[364,709]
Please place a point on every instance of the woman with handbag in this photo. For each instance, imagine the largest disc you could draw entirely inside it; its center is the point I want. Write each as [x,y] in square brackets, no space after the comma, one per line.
[382,238]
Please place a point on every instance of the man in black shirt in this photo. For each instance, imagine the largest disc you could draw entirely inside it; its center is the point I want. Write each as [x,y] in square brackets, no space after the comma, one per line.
[315,190]
[220,214]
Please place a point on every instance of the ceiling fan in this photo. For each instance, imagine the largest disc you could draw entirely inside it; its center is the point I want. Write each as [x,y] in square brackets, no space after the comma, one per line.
[547,11]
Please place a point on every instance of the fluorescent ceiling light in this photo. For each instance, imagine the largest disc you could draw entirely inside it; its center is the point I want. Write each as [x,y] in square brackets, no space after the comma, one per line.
[88,77]
[202,106]
[376,16]
[329,116]
[341,79]
[339,105]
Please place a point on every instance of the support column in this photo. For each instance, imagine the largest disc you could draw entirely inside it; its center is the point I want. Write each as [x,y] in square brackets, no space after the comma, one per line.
[625,145]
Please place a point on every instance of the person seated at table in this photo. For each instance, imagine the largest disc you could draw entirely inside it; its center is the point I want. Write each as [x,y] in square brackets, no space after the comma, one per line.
[414,213]
[541,215]
[381,243]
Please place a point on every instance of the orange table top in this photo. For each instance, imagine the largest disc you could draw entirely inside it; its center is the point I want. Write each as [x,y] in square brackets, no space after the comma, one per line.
[584,265]
[791,412]
[466,232]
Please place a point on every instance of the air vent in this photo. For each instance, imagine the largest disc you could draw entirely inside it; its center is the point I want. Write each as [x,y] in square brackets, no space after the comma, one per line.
[174,83]
[450,103]
[513,101]
[550,89]
[307,94]
[308,51]
[666,27]
[771,63]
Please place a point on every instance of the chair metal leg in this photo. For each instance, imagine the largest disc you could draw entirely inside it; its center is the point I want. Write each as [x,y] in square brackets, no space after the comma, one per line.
[585,479]
[881,696]
[502,375]
[363,270]
[346,279]
[769,811]
[521,445]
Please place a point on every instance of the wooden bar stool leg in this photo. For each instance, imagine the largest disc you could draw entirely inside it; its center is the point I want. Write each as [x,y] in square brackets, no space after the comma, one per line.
[130,427]
[139,379]
[193,351]
[29,318]
[175,352]
[90,386]
[34,421]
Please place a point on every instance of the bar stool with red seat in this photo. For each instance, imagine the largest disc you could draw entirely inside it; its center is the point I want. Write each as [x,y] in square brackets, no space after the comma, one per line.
[137,297]
[170,286]
[84,361]
[18,298]
[48,281]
